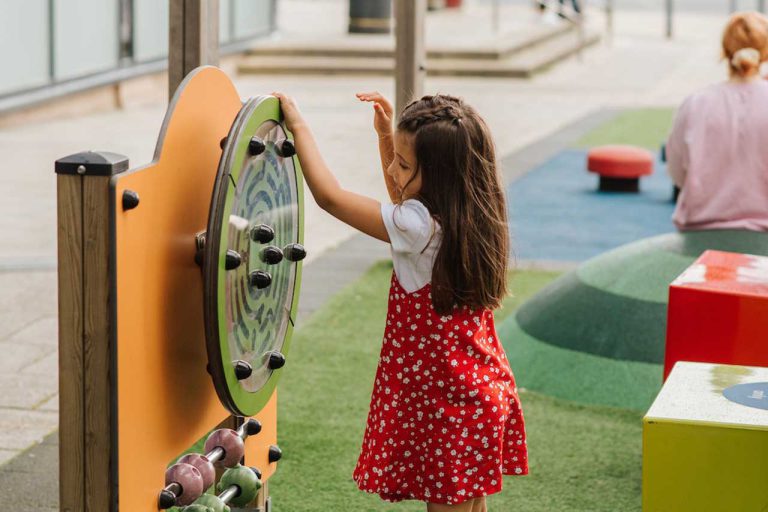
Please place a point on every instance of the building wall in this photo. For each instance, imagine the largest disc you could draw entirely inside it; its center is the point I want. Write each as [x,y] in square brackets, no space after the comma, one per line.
[47,43]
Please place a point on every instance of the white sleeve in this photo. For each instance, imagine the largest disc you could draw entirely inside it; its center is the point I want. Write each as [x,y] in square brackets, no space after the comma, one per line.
[409,225]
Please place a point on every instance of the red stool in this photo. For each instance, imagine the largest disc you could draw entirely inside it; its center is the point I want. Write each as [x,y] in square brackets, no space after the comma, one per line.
[718,311]
[620,167]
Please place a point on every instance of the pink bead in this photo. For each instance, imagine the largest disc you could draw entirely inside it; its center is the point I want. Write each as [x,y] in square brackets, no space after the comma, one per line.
[203,465]
[230,442]
[190,480]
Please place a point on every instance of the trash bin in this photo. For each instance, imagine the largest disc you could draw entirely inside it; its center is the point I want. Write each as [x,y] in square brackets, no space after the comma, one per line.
[370,16]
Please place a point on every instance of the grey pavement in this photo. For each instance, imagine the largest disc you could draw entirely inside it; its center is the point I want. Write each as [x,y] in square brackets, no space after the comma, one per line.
[638,68]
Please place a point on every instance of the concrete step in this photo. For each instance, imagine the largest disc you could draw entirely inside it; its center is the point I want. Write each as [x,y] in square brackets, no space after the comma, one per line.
[367,46]
[521,64]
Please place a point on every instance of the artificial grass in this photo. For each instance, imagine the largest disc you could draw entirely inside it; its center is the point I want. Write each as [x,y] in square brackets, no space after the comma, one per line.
[582,458]
[648,128]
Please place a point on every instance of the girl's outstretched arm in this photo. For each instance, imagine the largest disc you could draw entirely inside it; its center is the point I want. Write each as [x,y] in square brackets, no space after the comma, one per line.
[382,123]
[360,212]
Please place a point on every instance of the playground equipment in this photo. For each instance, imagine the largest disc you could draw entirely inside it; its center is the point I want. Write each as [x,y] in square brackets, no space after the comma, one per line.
[620,167]
[178,286]
[705,440]
[717,311]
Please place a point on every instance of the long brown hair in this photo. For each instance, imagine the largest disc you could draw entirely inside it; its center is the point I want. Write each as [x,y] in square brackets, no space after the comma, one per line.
[462,190]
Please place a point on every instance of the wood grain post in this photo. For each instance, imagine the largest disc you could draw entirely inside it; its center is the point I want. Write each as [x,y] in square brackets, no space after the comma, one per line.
[410,53]
[85,369]
[193,38]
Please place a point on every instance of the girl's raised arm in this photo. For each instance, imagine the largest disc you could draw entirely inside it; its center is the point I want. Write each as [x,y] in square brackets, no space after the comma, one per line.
[360,212]
[382,123]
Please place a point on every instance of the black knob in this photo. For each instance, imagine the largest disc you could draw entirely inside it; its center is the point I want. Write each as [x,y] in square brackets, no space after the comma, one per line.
[130,200]
[223,142]
[232,260]
[285,148]
[294,252]
[271,255]
[262,234]
[275,453]
[260,279]
[257,472]
[256,146]
[252,427]
[166,499]
[276,360]
[243,370]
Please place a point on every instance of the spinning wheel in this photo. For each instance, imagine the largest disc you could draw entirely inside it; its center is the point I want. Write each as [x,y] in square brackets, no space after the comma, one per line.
[252,257]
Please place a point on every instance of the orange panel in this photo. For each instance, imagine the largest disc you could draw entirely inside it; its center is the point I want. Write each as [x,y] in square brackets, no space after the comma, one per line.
[165,398]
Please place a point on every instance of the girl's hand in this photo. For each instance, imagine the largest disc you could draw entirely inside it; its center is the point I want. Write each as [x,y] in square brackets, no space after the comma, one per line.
[291,114]
[383,112]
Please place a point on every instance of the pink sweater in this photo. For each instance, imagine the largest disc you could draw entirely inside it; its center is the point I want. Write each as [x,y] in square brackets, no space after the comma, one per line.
[717,154]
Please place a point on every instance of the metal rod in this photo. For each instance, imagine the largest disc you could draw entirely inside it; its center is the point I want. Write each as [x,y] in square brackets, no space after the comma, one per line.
[215,455]
[670,14]
[230,492]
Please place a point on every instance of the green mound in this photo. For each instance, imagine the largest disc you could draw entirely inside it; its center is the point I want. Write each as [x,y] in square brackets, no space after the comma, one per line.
[615,305]
[582,457]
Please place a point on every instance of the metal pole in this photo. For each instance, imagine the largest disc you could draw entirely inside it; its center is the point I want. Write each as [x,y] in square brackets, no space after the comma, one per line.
[410,54]
[193,38]
[670,14]
[733,6]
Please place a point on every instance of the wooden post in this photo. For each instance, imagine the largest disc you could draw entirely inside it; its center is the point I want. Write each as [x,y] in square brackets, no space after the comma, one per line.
[410,54]
[85,373]
[193,38]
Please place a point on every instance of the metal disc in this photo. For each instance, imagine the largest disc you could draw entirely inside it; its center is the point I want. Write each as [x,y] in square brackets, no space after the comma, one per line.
[245,323]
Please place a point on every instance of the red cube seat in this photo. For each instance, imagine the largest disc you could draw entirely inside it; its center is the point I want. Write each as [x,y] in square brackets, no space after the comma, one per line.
[620,167]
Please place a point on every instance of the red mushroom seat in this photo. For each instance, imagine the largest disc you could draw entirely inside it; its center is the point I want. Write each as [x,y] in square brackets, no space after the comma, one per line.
[620,167]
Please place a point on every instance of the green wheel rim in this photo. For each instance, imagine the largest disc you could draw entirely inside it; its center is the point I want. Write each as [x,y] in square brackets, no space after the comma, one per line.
[244,323]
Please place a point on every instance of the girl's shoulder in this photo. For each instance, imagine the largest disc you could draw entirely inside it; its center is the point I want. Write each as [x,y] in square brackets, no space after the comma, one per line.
[409,224]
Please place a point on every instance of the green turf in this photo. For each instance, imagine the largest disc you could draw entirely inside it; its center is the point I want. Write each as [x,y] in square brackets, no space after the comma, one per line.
[648,128]
[582,458]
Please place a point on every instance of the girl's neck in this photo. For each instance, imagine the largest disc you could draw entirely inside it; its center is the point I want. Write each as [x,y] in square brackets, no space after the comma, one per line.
[736,79]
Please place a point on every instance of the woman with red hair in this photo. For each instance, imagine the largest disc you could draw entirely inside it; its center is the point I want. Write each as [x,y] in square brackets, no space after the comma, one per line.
[717,152]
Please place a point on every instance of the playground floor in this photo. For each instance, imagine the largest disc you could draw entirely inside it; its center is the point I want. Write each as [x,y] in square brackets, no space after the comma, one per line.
[537,123]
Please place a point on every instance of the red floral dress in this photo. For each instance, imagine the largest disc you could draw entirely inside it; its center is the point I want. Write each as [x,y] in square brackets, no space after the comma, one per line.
[445,421]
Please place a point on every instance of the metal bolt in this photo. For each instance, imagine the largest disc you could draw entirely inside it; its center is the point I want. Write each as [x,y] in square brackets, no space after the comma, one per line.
[80,169]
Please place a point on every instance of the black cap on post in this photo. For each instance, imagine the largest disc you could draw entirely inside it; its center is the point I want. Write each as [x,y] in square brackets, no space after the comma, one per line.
[92,163]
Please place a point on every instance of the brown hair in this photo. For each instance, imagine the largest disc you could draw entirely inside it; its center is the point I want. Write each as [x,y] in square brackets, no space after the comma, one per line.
[462,190]
[745,30]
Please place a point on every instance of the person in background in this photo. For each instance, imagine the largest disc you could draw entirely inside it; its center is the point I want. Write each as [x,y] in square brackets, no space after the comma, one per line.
[716,152]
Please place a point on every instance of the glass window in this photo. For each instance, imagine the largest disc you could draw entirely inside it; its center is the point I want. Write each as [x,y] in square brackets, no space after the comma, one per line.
[23,44]
[85,35]
[150,29]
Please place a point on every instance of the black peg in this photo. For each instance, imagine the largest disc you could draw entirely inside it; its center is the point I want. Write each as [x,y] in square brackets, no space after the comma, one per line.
[271,255]
[256,472]
[275,453]
[285,148]
[167,497]
[256,146]
[232,260]
[243,370]
[276,360]
[222,143]
[252,427]
[260,279]
[262,234]
[294,252]
[130,200]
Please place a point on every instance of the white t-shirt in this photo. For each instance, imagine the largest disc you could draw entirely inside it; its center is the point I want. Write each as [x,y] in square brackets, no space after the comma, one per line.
[411,228]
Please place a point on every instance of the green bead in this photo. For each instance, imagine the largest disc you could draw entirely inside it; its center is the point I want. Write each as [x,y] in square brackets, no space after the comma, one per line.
[245,479]
[212,502]
[196,508]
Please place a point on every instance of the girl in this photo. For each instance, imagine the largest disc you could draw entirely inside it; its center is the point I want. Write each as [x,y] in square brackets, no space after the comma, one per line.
[716,152]
[445,421]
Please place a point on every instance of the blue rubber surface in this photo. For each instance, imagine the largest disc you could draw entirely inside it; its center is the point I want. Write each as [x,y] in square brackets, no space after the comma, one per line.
[556,212]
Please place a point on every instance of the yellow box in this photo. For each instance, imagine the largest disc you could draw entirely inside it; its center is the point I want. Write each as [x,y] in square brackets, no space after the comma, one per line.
[703,452]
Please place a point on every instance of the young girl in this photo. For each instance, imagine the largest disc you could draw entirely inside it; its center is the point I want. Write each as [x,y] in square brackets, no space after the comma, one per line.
[716,152]
[445,421]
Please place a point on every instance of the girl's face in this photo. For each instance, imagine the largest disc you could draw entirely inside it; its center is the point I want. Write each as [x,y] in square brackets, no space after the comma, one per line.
[403,169]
